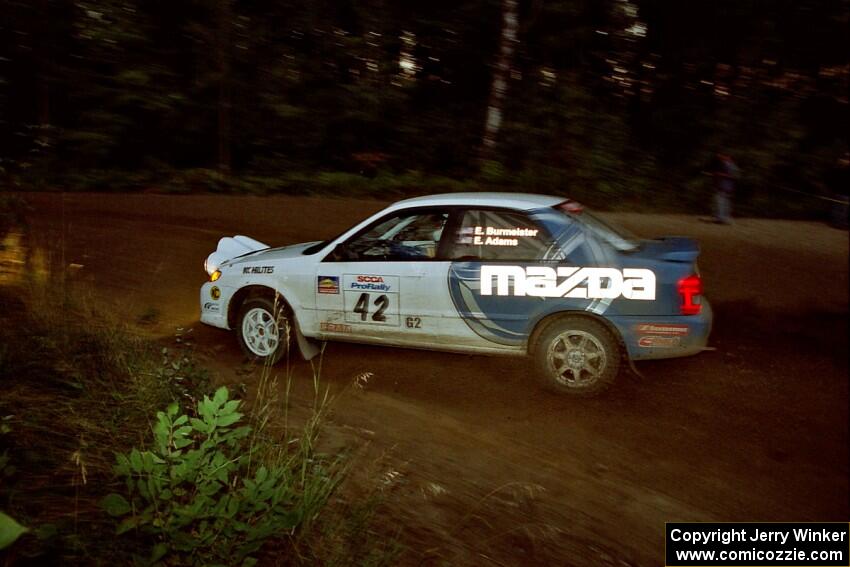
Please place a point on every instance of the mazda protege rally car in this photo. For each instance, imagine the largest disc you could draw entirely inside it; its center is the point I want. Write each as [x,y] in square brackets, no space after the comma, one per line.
[491,273]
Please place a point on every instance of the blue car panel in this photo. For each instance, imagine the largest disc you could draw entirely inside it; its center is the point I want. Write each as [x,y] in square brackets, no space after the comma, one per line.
[647,329]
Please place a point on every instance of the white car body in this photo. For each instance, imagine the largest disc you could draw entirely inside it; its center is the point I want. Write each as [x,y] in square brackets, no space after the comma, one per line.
[467,287]
[419,313]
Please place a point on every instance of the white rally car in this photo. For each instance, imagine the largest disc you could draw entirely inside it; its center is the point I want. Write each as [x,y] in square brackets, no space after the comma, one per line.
[490,273]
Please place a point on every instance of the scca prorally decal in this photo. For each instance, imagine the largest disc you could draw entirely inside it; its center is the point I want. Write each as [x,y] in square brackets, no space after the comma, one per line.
[572,282]
[369,283]
[258,270]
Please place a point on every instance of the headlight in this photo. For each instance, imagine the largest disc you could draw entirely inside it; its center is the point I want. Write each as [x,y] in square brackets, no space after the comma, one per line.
[213,262]
[215,275]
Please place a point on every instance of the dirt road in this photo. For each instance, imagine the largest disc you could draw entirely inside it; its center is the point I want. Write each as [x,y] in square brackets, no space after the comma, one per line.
[480,465]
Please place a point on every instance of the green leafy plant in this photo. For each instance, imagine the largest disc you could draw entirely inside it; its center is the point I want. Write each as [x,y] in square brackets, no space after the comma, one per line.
[10,530]
[207,492]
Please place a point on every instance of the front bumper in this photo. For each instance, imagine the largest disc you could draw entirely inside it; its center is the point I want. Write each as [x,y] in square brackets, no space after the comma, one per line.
[648,338]
[214,301]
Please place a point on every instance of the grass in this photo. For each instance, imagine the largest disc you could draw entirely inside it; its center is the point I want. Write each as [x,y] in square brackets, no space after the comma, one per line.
[78,386]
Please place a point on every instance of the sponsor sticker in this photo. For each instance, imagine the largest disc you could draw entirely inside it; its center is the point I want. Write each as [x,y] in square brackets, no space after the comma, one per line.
[328,284]
[371,299]
[568,281]
[370,283]
[659,341]
[212,307]
[661,329]
[328,327]
[258,270]
[215,293]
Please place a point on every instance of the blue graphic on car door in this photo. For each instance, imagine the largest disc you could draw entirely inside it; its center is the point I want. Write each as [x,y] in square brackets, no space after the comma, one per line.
[508,319]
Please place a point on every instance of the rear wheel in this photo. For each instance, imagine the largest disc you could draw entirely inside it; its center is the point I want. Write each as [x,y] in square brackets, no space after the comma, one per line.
[576,355]
[263,329]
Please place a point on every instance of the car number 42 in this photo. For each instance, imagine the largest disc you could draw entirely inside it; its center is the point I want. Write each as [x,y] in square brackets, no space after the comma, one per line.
[381,303]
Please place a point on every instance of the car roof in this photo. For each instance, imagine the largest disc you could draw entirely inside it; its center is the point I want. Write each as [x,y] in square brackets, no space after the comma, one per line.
[519,201]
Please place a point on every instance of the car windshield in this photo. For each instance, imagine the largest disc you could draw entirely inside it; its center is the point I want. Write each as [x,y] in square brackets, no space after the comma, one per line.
[619,238]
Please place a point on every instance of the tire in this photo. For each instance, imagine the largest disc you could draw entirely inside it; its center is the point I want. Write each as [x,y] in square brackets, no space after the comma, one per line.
[264,330]
[576,356]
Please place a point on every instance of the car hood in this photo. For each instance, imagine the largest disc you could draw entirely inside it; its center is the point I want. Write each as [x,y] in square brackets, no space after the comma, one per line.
[272,254]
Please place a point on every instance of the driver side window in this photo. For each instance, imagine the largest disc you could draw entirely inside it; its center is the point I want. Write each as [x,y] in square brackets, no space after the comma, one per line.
[403,236]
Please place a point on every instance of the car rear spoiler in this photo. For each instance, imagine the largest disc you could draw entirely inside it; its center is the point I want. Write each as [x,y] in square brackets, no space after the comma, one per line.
[231,247]
[677,249]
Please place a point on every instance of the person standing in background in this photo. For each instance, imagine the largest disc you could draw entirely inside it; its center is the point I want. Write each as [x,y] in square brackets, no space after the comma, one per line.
[725,173]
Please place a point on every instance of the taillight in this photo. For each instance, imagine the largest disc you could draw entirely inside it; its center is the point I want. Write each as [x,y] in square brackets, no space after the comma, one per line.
[690,288]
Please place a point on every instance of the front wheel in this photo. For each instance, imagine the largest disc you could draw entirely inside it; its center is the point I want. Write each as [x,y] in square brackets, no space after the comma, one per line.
[263,330]
[576,355]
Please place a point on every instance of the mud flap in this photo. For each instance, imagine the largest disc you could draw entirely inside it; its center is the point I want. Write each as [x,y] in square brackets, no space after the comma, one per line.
[308,347]
[634,369]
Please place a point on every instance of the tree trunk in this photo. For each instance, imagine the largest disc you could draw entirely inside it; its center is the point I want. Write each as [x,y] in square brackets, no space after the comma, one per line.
[224,102]
[44,71]
[501,74]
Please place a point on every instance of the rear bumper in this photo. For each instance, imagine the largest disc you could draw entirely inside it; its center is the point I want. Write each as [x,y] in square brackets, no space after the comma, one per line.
[648,338]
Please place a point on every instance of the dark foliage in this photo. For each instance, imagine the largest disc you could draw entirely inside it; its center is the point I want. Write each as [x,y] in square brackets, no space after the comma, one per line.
[612,100]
